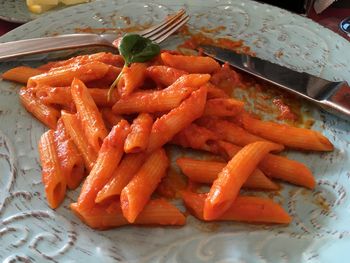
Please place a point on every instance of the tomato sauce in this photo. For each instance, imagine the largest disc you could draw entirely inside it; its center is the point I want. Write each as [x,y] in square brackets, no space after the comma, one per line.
[117,31]
[263,99]
[193,40]
[285,110]
[171,185]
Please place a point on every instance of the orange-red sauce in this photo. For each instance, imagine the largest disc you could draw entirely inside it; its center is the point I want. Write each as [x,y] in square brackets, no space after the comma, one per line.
[199,38]
[262,98]
[171,185]
[117,31]
[285,111]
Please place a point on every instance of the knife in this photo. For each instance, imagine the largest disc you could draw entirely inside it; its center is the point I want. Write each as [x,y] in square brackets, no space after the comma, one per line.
[333,97]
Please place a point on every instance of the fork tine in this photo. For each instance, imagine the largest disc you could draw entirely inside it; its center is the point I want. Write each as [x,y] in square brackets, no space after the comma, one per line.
[160,37]
[148,32]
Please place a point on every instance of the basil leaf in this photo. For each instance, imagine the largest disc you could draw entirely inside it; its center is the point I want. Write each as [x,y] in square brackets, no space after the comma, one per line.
[135,48]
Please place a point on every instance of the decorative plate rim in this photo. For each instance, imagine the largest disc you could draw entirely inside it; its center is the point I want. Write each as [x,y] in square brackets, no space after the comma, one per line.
[196,241]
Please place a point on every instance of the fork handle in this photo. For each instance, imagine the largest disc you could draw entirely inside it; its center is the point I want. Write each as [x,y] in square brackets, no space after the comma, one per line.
[41,45]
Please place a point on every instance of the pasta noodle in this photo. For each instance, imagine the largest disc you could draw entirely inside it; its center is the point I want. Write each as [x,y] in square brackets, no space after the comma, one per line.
[75,131]
[226,187]
[156,212]
[110,118]
[244,208]
[162,100]
[117,147]
[128,167]
[137,140]
[222,107]
[71,161]
[89,115]
[164,75]
[207,171]
[279,167]
[173,122]
[107,161]
[64,76]
[133,78]
[137,192]
[46,114]
[21,74]
[196,137]
[52,174]
[106,58]
[191,64]
[287,135]
[229,131]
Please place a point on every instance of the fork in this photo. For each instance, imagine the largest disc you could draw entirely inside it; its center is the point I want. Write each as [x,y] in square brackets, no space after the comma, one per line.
[157,33]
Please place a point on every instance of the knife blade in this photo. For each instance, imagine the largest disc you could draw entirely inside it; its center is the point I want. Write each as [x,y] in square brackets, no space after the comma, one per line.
[333,97]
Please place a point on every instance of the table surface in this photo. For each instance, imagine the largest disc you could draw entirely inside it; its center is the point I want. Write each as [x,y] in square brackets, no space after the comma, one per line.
[330,18]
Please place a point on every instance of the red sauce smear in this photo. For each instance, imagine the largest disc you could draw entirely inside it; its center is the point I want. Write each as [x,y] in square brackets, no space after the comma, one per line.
[260,96]
[172,185]
[196,39]
[285,111]
[118,31]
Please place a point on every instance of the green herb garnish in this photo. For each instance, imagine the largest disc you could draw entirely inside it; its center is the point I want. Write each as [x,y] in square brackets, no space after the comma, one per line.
[134,48]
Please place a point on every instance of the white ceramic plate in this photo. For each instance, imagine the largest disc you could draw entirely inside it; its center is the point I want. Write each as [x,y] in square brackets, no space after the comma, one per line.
[31,232]
[17,11]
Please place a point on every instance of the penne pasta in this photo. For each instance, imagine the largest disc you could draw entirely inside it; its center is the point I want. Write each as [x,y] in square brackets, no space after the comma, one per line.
[152,101]
[226,187]
[61,77]
[133,77]
[21,74]
[171,185]
[126,170]
[200,171]
[54,95]
[162,100]
[249,209]
[138,191]
[62,96]
[207,171]
[222,107]
[191,64]
[75,131]
[137,140]
[226,79]
[289,136]
[100,97]
[164,75]
[88,114]
[46,114]
[291,171]
[106,58]
[166,127]
[52,174]
[156,212]
[228,131]
[278,167]
[104,83]
[107,161]
[196,137]
[168,99]
[71,161]
[110,119]
[274,166]
[215,92]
